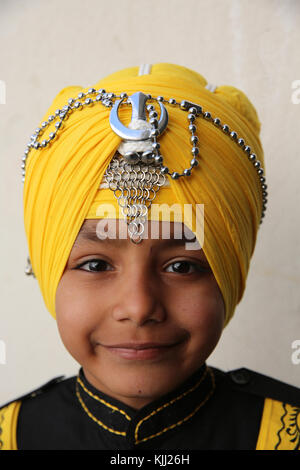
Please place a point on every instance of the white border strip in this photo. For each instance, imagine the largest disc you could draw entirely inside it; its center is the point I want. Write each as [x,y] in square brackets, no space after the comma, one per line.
[211,87]
[145,69]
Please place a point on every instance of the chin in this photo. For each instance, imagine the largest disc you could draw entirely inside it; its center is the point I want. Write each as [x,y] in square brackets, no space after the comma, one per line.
[136,396]
[147,385]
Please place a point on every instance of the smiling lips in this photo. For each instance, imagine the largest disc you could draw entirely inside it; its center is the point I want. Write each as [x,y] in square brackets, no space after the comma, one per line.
[140,351]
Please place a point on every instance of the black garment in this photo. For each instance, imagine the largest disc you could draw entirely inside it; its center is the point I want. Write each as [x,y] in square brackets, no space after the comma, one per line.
[211,410]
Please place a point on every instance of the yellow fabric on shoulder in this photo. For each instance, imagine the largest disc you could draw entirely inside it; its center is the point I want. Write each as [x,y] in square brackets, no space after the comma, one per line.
[280,427]
[8,426]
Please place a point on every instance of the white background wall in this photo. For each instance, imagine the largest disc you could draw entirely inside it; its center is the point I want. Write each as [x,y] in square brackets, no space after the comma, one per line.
[251,44]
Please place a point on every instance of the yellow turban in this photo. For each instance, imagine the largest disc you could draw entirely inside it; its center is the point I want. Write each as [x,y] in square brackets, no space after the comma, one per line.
[62,180]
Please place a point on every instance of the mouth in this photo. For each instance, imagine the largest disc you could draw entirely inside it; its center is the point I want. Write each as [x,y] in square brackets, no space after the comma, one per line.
[141,351]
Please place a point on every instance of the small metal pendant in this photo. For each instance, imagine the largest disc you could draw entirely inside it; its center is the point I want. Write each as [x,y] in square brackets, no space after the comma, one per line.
[28,269]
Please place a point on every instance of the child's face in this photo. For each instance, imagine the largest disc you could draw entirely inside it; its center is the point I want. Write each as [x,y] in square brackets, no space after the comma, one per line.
[116,298]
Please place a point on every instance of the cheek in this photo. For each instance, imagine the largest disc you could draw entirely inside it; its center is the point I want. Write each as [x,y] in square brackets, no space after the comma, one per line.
[75,316]
[202,311]
[75,303]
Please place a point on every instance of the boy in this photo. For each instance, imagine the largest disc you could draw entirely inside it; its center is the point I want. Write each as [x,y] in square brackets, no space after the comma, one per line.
[141,214]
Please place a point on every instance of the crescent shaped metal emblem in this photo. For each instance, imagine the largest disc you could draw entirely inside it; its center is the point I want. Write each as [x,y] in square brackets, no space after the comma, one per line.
[138,102]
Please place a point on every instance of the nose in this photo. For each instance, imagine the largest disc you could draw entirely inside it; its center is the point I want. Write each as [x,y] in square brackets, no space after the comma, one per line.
[138,298]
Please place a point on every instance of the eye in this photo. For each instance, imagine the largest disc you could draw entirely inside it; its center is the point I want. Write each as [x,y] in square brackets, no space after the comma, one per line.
[186,267]
[95,266]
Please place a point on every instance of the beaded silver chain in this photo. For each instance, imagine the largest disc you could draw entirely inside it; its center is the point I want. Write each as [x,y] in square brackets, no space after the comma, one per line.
[107,99]
[130,196]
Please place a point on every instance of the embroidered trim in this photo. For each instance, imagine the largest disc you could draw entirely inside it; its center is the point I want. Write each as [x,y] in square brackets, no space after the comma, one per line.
[8,425]
[171,402]
[93,417]
[123,433]
[1,421]
[294,428]
[101,400]
[282,427]
[291,426]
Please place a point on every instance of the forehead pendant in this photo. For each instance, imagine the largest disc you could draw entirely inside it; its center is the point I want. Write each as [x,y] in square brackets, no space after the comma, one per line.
[134,174]
[138,103]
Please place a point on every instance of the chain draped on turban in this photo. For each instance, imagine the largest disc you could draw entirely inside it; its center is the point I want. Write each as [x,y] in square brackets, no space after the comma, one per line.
[62,181]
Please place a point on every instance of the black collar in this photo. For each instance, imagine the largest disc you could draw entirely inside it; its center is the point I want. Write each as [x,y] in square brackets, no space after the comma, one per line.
[159,418]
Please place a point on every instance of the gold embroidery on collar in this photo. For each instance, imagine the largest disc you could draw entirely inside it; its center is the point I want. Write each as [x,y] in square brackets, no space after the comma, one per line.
[123,433]
[137,441]
[93,417]
[102,401]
